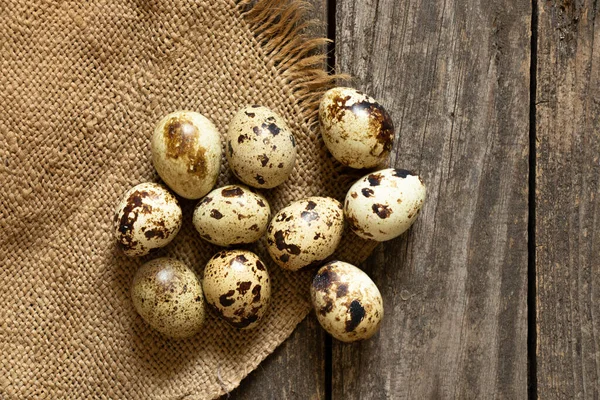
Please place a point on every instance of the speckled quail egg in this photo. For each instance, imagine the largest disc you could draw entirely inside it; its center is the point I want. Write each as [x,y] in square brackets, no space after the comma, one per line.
[168,296]
[186,152]
[383,205]
[305,233]
[237,286]
[148,217]
[356,129]
[347,302]
[232,215]
[261,149]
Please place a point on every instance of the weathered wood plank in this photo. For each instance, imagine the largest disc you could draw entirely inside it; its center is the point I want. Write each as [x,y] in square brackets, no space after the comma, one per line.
[455,77]
[296,369]
[567,196]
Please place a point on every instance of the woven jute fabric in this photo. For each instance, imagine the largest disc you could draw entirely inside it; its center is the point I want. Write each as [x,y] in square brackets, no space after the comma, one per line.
[81,86]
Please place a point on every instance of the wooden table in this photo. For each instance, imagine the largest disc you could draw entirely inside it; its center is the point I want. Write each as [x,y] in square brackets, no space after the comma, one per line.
[494,291]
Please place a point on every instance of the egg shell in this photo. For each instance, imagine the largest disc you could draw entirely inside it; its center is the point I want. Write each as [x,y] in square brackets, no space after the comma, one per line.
[305,233]
[356,129]
[167,294]
[261,149]
[347,302]
[237,286]
[186,152]
[147,218]
[232,215]
[384,204]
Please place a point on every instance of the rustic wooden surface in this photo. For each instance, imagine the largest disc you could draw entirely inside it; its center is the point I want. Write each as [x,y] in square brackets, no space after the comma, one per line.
[455,77]
[568,192]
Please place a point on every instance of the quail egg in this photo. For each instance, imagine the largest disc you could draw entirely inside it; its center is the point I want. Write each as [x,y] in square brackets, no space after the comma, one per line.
[232,215]
[186,152]
[383,205]
[237,286]
[356,129]
[261,149]
[305,233]
[347,302]
[148,217]
[168,296]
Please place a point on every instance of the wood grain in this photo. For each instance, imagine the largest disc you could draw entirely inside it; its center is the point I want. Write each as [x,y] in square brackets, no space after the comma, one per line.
[567,196]
[455,77]
[296,369]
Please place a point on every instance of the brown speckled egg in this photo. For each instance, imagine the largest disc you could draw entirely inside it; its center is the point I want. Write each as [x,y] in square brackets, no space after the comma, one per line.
[356,129]
[168,296]
[147,218]
[186,152]
[383,205]
[232,215]
[261,149]
[237,286]
[305,233]
[347,302]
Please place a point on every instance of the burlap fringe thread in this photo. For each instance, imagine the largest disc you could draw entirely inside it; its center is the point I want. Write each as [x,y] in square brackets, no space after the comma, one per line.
[280,28]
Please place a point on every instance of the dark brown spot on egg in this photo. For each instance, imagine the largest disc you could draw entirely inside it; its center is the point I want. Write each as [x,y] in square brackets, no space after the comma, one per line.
[280,165]
[284,257]
[324,279]
[206,200]
[254,227]
[357,313]
[256,293]
[318,235]
[235,191]
[260,202]
[271,128]
[293,140]
[283,246]
[367,192]
[260,265]
[401,173]
[310,205]
[260,179]
[240,258]
[215,214]
[374,179]
[225,299]
[243,287]
[242,138]
[354,195]
[264,160]
[382,210]
[341,290]
[250,114]
[160,233]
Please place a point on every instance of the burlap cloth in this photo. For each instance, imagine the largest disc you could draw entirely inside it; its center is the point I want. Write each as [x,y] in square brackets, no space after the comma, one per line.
[81,86]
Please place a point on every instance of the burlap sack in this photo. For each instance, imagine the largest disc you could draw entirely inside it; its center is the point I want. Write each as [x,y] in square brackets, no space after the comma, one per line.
[81,86]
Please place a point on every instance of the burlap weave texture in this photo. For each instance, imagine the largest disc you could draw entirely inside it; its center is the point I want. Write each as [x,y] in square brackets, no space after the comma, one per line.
[81,86]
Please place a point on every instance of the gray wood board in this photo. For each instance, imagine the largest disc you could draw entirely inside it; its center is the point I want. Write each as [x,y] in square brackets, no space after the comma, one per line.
[567,196]
[455,77]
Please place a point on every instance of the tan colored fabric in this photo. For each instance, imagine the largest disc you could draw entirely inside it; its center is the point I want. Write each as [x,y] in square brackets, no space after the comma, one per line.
[81,86]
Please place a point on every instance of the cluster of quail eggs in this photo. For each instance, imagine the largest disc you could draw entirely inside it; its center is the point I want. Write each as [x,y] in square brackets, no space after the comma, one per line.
[261,152]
